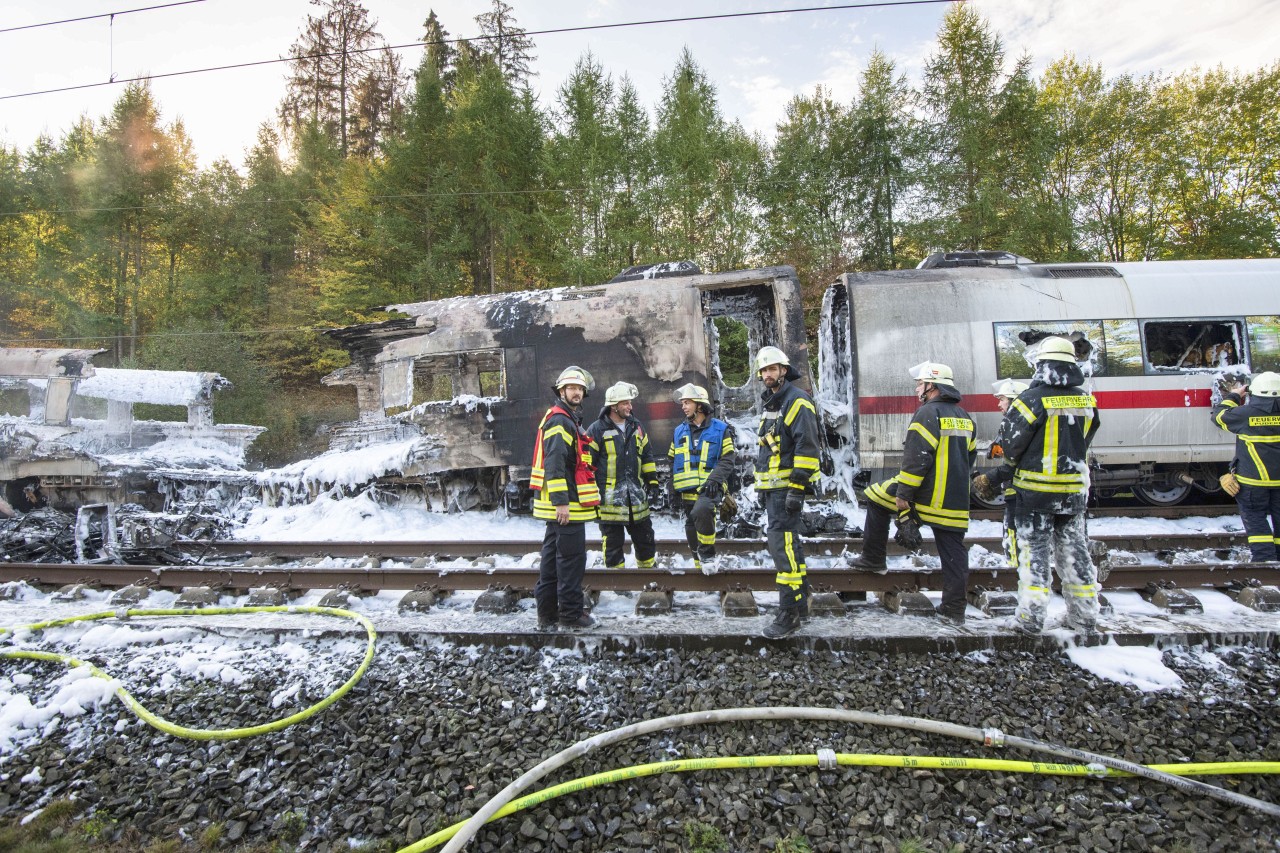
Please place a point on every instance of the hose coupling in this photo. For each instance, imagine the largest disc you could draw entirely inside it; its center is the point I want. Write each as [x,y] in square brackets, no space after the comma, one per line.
[827,759]
[122,613]
[993,737]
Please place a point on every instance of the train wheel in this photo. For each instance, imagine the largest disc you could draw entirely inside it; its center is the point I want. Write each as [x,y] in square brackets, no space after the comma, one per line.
[1162,494]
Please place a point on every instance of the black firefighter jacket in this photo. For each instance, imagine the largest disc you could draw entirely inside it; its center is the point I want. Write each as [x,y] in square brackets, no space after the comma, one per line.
[1256,425]
[937,457]
[624,464]
[789,442]
[1047,432]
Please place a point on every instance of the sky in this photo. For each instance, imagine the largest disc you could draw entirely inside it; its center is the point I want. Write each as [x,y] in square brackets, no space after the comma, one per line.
[756,63]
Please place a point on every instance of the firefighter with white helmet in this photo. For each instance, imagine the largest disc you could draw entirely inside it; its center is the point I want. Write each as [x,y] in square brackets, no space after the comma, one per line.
[931,488]
[702,455]
[626,475]
[989,486]
[567,497]
[786,470]
[1046,435]
[1252,412]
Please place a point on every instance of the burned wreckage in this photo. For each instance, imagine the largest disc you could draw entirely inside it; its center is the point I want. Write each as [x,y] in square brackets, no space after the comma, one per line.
[82,477]
[458,384]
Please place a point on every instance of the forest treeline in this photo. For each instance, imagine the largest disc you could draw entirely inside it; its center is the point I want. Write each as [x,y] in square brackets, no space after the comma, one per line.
[376,184]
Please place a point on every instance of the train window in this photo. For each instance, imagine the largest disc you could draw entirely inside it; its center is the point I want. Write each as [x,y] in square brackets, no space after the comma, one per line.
[15,402]
[1264,342]
[735,359]
[1013,340]
[1123,348]
[444,377]
[1178,346]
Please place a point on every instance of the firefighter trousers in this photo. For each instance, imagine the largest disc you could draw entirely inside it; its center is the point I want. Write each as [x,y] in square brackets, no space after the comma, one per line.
[1061,540]
[700,527]
[564,563]
[613,539]
[1260,513]
[783,535]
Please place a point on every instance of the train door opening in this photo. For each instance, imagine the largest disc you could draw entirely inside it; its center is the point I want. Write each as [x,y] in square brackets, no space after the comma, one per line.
[738,321]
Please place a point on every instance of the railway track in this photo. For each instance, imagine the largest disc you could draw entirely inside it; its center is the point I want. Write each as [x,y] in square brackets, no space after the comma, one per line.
[1165,543]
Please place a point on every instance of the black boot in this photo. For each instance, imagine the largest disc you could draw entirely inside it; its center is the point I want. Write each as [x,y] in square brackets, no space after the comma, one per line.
[804,599]
[788,618]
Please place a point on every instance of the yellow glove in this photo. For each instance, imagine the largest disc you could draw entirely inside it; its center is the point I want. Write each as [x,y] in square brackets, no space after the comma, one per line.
[1229,484]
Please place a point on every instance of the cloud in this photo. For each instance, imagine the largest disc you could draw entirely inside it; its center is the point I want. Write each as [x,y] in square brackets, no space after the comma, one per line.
[1139,36]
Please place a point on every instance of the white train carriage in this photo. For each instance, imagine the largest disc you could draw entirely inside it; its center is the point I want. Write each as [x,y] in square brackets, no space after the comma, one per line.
[1155,338]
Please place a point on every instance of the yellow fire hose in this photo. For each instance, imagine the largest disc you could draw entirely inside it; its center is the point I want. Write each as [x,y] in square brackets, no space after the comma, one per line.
[204,734]
[844,759]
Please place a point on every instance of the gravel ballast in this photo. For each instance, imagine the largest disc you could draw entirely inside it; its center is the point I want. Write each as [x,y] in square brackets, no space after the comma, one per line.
[433,731]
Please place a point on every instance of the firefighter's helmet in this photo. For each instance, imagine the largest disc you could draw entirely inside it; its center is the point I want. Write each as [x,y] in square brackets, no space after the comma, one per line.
[1056,349]
[696,393]
[933,373]
[1010,388]
[619,392]
[574,375]
[1265,385]
[772,355]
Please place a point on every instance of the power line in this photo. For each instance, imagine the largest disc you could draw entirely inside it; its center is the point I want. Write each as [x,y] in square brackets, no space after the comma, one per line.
[552,31]
[93,17]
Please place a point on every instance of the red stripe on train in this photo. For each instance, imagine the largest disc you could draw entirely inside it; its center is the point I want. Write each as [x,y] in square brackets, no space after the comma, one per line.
[1165,398]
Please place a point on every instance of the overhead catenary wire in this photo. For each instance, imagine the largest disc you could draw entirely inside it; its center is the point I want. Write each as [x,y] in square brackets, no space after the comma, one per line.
[95,17]
[408,45]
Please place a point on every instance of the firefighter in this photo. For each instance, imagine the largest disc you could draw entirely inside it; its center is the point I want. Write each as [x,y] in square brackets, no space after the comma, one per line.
[702,455]
[1047,432]
[932,488]
[567,497]
[626,475]
[989,486]
[1252,412]
[786,470]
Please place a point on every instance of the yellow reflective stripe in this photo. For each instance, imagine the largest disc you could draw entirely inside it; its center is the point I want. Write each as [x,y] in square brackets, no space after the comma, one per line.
[806,462]
[928,436]
[611,468]
[706,538]
[1263,439]
[649,468]
[1254,481]
[1050,476]
[878,493]
[557,485]
[560,431]
[941,466]
[800,403]
[1025,410]
[1080,590]
[910,479]
[726,446]
[1050,460]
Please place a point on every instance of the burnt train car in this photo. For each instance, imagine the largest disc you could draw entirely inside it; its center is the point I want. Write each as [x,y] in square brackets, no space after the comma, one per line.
[1155,338]
[459,384]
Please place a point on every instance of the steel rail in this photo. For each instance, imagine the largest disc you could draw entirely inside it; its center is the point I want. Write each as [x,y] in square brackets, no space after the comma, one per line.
[759,578]
[411,549]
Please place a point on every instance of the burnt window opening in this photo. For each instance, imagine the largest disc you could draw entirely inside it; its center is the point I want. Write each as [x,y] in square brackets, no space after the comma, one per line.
[15,402]
[735,351]
[1185,345]
[1017,343]
[443,378]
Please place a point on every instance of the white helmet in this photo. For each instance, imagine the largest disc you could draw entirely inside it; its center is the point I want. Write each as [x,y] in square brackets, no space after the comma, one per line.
[1010,388]
[932,372]
[1056,349]
[696,393]
[574,375]
[620,392]
[1265,385]
[770,355]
